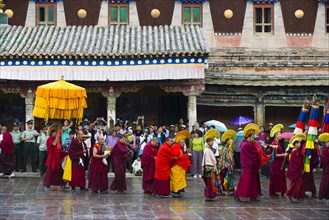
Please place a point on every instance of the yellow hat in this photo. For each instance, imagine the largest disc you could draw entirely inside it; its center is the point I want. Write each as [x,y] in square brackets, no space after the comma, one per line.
[229,134]
[324,137]
[251,128]
[183,134]
[277,128]
[212,133]
[297,137]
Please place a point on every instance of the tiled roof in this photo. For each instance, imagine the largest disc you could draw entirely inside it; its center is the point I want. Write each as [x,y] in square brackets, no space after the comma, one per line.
[95,41]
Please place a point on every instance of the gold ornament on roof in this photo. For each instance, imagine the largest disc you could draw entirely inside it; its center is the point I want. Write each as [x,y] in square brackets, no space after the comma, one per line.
[82,13]
[228,13]
[155,13]
[299,13]
[9,13]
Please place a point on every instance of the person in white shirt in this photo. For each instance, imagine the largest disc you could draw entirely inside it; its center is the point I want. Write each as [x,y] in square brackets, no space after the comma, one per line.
[137,166]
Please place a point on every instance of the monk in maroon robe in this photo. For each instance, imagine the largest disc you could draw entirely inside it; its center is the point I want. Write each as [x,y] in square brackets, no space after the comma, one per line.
[162,169]
[120,155]
[308,176]
[54,174]
[98,168]
[77,153]
[324,185]
[295,173]
[7,160]
[148,164]
[277,174]
[249,183]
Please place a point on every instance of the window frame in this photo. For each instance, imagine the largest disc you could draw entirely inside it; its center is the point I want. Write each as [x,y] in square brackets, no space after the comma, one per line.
[326,22]
[192,6]
[46,5]
[119,5]
[263,24]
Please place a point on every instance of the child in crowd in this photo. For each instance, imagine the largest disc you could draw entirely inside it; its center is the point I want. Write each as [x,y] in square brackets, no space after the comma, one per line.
[137,166]
[68,140]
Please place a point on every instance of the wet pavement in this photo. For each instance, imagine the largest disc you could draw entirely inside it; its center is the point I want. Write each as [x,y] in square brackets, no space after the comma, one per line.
[26,198]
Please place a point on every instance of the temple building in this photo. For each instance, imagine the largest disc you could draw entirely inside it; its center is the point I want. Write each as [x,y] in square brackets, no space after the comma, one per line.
[168,59]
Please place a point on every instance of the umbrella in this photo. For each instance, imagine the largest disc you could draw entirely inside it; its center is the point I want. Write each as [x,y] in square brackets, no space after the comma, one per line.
[241,120]
[287,135]
[293,126]
[60,100]
[220,126]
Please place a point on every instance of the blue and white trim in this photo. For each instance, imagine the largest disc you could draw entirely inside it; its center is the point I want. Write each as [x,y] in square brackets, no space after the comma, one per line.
[45,1]
[123,62]
[192,1]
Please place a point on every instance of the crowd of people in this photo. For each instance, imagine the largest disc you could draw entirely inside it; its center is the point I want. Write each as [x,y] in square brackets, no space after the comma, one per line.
[80,156]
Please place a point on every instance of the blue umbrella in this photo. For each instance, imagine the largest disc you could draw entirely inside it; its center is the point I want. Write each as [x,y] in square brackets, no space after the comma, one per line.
[241,120]
[293,126]
[239,136]
[220,126]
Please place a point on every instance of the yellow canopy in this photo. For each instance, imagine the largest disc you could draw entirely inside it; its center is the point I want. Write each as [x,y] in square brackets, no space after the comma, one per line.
[60,100]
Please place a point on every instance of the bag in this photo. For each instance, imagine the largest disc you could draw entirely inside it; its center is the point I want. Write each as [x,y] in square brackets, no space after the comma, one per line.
[67,175]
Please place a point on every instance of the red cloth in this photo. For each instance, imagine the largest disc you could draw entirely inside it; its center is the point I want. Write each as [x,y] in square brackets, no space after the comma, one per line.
[7,144]
[208,189]
[78,171]
[295,169]
[161,187]
[308,177]
[96,164]
[148,165]
[54,158]
[119,153]
[324,185]
[54,178]
[249,183]
[263,158]
[183,159]
[162,163]
[277,175]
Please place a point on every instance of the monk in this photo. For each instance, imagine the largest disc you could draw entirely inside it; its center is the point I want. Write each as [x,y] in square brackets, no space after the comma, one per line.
[296,170]
[308,176]
[54,173]
[120,155]
[277,174]
[78,153]
[162,169]
[249,182]
[7,160]
[148,164]
[179,167]
[98,180]
[324,185]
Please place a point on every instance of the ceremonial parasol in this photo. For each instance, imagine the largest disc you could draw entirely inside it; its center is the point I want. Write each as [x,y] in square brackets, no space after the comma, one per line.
[241,120]
[220,126]
[60,100]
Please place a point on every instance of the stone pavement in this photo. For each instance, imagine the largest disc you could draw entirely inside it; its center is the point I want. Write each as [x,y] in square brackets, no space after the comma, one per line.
[25,198]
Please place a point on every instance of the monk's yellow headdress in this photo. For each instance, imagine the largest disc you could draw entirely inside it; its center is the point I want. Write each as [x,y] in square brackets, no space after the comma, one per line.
[182,135]
[324,137]
[212,133]
[229,134]
[277,128]
[297,137]
[251,128]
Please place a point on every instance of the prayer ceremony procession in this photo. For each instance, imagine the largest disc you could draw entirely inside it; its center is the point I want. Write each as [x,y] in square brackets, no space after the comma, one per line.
[164,109]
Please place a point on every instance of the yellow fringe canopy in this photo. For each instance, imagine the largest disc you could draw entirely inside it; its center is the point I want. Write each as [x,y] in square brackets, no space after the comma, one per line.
[60,100]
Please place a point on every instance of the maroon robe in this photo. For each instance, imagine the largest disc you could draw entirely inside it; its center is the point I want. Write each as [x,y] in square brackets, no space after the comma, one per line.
[98,172]
[148,165]
[295,170]
[324,185]
[249,183]
[162,170]
[54,174]
[76,151]
[277,175]
[7,159]
[309,183]
[119,155]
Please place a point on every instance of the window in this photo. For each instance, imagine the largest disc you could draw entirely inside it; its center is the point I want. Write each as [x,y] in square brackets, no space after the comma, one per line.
[118,14]
[263,18]
[192,14]
[45,13]
[327,19]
